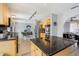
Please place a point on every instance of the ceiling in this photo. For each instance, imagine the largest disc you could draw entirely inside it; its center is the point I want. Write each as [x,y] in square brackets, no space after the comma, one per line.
[43,9]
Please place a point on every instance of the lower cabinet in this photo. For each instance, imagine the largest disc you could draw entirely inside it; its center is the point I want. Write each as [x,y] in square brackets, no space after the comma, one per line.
[35,51]
[8,48]
[64,52]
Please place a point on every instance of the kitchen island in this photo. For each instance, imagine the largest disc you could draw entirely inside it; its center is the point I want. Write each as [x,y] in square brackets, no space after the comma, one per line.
[55,47]
[8,46]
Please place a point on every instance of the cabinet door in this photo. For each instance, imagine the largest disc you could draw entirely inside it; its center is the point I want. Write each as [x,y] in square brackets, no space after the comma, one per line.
[38,51]
[64,52]
[8,47]
[32,49]
[5,14]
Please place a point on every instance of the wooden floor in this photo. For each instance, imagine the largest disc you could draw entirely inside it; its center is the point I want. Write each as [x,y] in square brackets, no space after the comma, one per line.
[76,52]
[24,47]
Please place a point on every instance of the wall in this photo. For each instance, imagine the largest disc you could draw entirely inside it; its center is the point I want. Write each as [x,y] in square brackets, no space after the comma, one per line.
[67,27]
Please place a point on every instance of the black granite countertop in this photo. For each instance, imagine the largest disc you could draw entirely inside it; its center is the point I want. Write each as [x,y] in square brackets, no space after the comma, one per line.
[55,45]
[8,38]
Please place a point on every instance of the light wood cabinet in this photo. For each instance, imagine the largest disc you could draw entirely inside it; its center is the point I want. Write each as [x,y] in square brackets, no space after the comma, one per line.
[8,47]
[1,14]
[4,14]
[35,51]
[64,52]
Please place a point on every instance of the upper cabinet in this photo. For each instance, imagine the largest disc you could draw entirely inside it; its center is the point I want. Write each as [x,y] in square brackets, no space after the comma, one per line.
[4,14]
[1,14]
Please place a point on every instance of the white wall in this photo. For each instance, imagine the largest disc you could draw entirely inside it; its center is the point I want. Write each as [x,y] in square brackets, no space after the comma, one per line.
[66,27]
